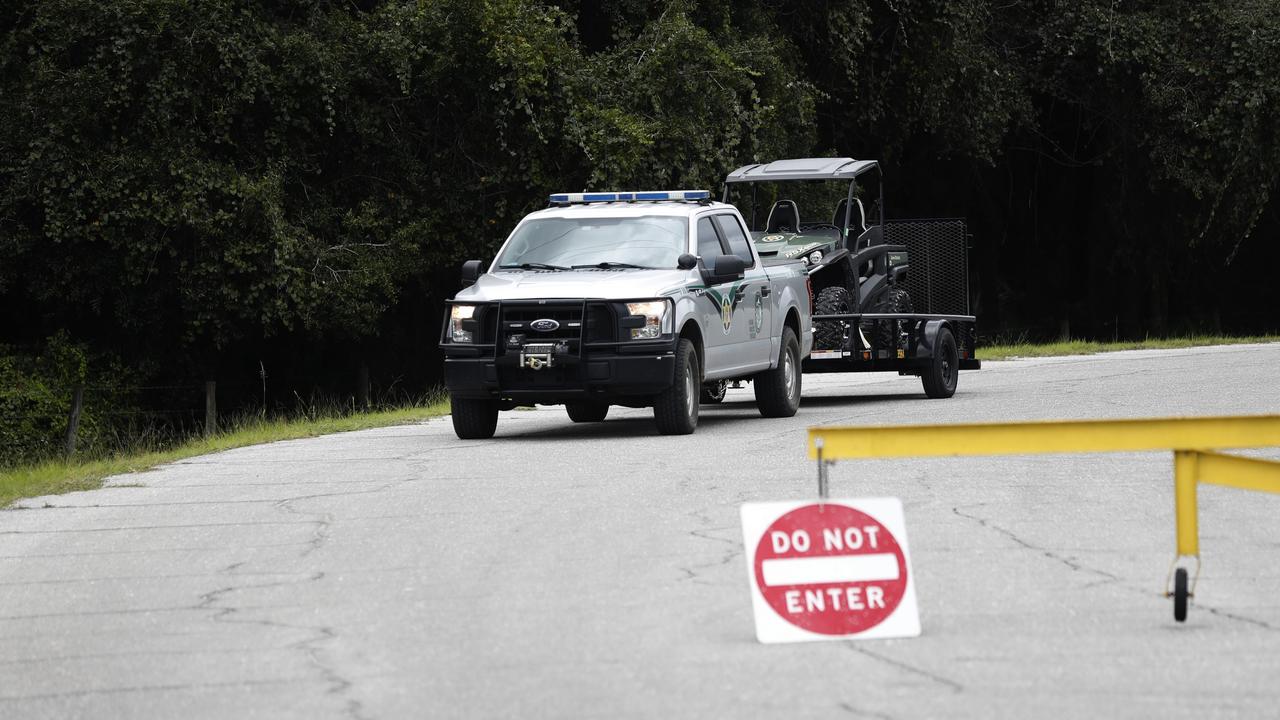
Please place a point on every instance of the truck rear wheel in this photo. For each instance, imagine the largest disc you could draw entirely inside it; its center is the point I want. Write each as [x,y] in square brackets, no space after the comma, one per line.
[676,409]
[941,376]
[778,390]
[474,419]
[582,412]
[830,335]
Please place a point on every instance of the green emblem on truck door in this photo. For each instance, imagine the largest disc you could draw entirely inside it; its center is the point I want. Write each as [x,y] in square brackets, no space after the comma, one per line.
[727,302]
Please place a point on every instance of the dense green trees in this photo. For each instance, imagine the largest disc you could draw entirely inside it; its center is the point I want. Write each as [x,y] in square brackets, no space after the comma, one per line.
[188,185]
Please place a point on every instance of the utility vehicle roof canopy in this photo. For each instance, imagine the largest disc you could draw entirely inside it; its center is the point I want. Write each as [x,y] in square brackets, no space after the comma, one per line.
[802,169]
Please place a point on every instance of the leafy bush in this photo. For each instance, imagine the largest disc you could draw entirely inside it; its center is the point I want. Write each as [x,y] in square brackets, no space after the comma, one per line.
[35,400]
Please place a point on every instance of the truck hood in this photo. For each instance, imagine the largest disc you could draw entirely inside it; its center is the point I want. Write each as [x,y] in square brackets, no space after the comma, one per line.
[595,284]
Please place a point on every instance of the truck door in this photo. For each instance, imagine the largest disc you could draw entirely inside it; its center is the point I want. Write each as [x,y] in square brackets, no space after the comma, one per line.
[750,302]
[715,335]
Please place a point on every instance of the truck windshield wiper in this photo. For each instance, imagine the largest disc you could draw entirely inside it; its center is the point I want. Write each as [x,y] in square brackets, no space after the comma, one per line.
[532,266]
[609,265]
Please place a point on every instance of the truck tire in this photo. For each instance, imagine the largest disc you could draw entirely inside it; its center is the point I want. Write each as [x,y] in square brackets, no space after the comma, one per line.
[474,419]
[583,412]
[778,390]
[830,335]
[886,334]
[941,376]
[676,409]
[713,392]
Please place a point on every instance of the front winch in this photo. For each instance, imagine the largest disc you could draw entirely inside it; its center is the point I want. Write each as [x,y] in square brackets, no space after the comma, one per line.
[541,355]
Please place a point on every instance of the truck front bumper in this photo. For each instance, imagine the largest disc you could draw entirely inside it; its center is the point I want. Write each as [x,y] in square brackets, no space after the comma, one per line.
[619,377]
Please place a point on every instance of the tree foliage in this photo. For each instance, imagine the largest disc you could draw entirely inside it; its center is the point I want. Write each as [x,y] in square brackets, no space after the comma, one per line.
[187,181]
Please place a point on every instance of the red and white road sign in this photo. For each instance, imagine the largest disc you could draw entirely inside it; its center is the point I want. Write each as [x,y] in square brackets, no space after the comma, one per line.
[828,571]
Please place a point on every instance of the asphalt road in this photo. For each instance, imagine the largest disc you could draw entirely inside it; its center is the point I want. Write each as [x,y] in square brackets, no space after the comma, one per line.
[565,570]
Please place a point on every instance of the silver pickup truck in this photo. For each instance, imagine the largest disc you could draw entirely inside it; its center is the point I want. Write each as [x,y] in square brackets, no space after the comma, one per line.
[644,299]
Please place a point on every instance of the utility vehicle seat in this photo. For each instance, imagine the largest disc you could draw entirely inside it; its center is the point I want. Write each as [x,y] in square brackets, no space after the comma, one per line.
[857,223]
[784,216]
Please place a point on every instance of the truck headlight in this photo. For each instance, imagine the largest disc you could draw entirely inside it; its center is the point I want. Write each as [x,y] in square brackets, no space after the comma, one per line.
[654,313]
[456,315]
[814,257]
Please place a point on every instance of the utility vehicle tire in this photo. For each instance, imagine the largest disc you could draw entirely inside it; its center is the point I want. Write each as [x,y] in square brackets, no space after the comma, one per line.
[713,392]
[830,335]
[583,412]
[676,409]
[474,419]
[944,368]
[887,334]
[778,390]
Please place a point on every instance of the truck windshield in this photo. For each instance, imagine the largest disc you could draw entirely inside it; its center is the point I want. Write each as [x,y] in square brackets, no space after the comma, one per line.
[650,241]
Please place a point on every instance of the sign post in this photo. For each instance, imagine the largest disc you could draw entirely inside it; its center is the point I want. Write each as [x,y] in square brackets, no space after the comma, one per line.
[830,570]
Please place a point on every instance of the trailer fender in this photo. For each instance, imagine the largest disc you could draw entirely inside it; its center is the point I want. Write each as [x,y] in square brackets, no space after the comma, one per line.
[927,340]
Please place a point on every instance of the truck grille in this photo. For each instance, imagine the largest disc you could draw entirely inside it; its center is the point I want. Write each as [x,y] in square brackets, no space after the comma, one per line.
[519,319]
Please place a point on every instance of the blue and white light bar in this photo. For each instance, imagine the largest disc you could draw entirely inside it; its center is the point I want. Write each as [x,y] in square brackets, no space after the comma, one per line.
[631,196]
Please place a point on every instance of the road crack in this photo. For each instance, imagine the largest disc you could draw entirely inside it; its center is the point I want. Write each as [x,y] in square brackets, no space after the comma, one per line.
[1107,579]
[946,682]
[1061,559]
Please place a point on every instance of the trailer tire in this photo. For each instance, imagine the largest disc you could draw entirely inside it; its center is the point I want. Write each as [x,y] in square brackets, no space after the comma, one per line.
[474,419]
[675,410]
[778,390]
[584,412]
[941,377]
[830,335]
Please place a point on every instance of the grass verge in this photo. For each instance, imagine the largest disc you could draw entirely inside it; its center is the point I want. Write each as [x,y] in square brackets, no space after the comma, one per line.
[1088,347]
[59,476]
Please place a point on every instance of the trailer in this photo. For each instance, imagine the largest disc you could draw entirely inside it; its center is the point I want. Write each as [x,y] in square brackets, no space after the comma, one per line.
[889,296]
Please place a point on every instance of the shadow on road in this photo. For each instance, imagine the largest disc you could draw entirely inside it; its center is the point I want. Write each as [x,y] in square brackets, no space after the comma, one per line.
[833,400]
[628,427]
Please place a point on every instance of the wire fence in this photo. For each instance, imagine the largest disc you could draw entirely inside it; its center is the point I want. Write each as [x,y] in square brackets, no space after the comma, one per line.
[102,416]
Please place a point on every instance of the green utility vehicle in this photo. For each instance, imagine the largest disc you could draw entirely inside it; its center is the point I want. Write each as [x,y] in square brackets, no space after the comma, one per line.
[888,296]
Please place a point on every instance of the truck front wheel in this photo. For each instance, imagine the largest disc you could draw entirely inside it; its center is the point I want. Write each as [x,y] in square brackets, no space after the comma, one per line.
[676,410]
[778,390]
[474,419]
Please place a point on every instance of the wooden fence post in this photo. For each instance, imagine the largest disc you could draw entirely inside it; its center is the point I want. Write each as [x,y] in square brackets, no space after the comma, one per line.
[210,408]
[362,387]
[73,420]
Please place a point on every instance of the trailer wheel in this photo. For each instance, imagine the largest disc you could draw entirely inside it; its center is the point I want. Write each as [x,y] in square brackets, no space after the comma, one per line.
[778,390]
[676,409]
[944,368]
[474,419]
[1180,595]
[830,335]
[583,412]
[713,392]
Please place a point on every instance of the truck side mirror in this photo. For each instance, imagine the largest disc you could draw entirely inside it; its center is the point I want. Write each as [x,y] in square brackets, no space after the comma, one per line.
[471,271]
[687,262]
[725,268]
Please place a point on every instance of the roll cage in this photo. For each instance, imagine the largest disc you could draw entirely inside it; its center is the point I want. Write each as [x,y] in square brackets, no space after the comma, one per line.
[810,169]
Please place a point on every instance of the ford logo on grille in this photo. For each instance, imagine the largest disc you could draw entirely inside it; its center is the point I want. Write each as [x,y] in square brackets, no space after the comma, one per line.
[544,325]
